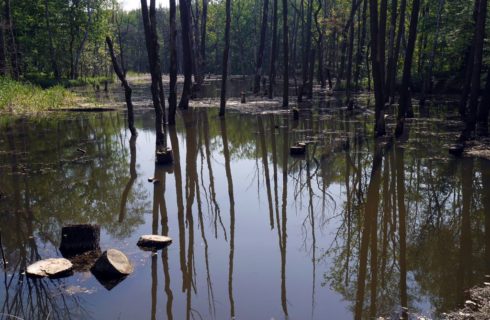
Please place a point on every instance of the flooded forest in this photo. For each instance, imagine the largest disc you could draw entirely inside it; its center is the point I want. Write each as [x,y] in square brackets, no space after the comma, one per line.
[244,159]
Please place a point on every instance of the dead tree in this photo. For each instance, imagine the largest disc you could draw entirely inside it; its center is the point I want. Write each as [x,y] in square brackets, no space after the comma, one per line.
[226,52]
[272,70]
[478,42]
[185,21]
[378,31]
[149,23]
[127,89]
[285,43]
[407,67]
[260,51]
[172,97]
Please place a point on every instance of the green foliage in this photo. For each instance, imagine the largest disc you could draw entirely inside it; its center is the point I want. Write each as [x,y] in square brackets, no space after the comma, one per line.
[20,97]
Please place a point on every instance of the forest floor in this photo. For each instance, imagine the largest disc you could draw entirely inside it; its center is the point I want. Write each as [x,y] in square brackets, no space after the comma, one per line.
[477,307]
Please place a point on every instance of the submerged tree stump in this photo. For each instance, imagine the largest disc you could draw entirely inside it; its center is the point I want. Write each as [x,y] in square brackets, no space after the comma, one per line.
[298,150]
[154,241]
[79,238]
[164,157]
[53,268]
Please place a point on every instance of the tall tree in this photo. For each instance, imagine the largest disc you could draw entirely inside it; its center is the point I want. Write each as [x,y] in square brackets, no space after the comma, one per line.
[306,50]
[204,22]
[378,30]
[11,43]
[484,108]
[54,63]
[407,69]
[478,42]
[272,70]
[149,22]
[260,51]
[391,47]
[285,46]
[172,97]
[185,21]
[226,52]
[127,89]
[3,62]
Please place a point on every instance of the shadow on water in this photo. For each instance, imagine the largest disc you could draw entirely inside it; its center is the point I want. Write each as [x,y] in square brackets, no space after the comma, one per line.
[356,228]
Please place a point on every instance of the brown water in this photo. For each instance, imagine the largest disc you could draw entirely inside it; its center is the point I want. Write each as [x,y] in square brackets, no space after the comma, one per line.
[342,233]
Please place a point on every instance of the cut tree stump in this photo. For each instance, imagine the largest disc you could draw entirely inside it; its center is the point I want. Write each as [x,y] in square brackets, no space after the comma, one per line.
[53,268]
[153,241]
[112,264]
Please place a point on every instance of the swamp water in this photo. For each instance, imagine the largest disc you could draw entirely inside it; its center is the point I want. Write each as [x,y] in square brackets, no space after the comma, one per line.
[341,233]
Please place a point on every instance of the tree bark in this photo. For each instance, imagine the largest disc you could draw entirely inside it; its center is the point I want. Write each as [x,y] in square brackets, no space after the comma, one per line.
[306,50]
[272,70]
[226,52]
[478,42]
[390,90]
[362,41]
[204,22]
[483,110]
[391,49]
[426,88]
[11,45]
[3,62]
[52,54]
[377,61]
[184,7]
[407,68]
[149,24]
[260,51]
[172,97]
[285,44]
[127,89]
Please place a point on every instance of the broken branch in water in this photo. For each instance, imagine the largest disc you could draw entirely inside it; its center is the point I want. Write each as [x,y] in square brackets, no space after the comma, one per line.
[3,253]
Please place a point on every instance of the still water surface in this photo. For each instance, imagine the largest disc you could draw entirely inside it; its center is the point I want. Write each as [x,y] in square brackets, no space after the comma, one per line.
[342,233]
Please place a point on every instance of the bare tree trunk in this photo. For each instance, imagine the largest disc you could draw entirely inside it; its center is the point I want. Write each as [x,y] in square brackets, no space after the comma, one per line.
[82,43]
[260,52]
[426,88]
[483,110]
[127,89]
[391,49]
[377,59]
[11,45]
[272,71]
[306,50]
[172,97]
[226,52]
[478,42]
[407,68]
[184,7]
[204,22]
[350,51]
[198,76]
[360,48]
[285,46]
[401,31]
[52,54]
[149,23]
[3,62]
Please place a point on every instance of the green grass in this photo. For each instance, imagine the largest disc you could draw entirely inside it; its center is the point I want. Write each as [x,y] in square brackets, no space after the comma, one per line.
[21,97]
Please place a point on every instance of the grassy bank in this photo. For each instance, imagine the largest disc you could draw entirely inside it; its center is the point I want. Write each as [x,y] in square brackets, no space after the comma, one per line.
[21,97]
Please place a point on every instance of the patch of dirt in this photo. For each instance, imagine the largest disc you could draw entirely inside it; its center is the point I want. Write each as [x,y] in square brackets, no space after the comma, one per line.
[476,308]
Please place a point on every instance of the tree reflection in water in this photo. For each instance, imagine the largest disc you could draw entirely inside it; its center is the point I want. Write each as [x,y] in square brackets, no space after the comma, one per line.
[368,230]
